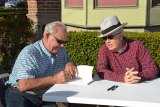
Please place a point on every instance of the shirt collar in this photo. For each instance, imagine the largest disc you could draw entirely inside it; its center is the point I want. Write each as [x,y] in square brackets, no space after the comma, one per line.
[44,49]
[124,48]
[120,50]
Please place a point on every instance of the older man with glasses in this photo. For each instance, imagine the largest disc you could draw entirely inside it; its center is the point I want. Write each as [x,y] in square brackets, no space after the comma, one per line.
[121,59]
[38,67]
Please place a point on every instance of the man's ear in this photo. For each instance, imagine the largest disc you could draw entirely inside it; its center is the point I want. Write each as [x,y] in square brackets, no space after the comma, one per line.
[47,35]
[122,37]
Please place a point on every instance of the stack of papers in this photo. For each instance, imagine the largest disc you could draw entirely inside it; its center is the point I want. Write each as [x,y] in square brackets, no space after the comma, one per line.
[84,76]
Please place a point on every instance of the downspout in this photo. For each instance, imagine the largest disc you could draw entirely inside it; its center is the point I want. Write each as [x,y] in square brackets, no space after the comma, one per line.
[148,6]
[86,24]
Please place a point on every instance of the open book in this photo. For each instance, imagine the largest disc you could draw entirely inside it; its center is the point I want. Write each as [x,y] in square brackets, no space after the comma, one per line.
[84,76]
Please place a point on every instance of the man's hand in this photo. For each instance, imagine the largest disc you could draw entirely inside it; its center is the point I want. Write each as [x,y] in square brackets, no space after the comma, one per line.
[71,70]
[61,77]
[131,76]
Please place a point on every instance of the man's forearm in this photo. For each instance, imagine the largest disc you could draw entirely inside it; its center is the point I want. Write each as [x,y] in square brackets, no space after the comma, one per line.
[35,83]
[149,73]
[110,75]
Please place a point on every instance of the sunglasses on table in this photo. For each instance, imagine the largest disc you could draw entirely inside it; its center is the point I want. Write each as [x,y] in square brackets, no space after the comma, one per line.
[60,41]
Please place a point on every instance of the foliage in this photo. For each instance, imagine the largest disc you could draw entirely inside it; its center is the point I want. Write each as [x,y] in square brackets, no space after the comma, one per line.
[15,33]
[12,11]
[83,46]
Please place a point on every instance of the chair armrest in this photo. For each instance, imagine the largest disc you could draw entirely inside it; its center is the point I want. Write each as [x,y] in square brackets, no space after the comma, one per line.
[4,77]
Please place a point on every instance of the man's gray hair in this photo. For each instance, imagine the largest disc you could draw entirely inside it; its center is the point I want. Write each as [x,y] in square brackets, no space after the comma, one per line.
[50,27]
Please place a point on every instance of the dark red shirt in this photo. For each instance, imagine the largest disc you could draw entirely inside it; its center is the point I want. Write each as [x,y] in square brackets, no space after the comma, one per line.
[112,65]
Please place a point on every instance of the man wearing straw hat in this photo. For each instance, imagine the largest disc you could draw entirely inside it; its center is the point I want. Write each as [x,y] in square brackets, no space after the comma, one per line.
[121,59]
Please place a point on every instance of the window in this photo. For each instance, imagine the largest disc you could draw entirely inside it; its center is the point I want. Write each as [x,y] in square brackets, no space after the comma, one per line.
[115,3]
[155,3]
[74,3]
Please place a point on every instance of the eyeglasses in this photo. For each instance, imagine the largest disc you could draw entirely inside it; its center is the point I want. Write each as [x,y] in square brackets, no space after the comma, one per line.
[111,36]
[60,41]
[108,37]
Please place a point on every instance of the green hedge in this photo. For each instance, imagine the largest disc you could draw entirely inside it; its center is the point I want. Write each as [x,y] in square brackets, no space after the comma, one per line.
[12,11]
[83,46]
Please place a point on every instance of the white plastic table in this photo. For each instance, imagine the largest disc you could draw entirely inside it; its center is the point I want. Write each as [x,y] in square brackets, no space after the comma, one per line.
[146,94]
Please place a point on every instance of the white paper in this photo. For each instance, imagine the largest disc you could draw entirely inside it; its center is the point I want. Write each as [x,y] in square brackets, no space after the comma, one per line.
[84,76]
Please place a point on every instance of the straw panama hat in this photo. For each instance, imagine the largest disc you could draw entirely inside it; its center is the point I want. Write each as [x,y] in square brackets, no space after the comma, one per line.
[109,26]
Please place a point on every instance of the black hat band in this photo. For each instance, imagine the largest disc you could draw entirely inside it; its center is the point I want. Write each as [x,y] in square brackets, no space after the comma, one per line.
[111,28]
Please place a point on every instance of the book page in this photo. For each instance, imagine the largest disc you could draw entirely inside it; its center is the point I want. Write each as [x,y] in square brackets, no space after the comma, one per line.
[84,76]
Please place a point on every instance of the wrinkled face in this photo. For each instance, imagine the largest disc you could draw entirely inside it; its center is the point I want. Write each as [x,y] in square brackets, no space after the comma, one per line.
[56,41]
[114,42]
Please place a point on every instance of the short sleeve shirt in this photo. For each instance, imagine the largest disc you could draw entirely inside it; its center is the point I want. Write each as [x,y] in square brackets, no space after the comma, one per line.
[34,61]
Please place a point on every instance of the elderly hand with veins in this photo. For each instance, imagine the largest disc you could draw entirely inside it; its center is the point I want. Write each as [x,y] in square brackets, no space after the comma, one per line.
[131,76]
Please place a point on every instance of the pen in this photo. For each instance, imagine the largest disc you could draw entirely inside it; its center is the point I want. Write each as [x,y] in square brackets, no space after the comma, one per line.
[115,86]
[68,75]
[71,76]
[111,88]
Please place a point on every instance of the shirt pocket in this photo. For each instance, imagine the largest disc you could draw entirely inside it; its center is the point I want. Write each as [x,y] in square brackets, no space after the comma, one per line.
[43,71]
[59,67]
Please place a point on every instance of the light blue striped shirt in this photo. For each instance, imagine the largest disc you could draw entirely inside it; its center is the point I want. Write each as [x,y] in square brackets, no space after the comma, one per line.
[34,61]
